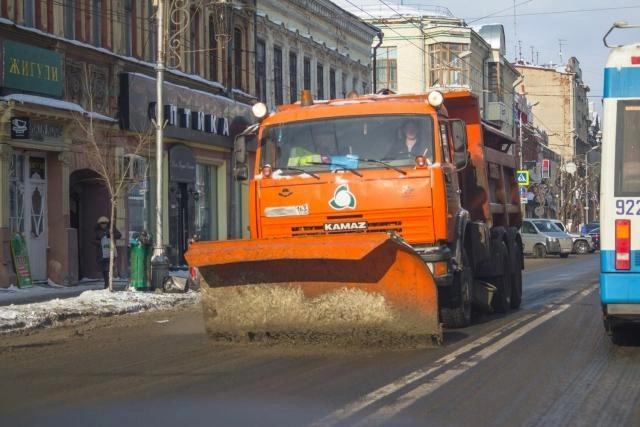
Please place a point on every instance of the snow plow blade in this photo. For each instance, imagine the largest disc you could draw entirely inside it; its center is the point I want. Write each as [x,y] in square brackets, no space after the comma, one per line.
[345,287]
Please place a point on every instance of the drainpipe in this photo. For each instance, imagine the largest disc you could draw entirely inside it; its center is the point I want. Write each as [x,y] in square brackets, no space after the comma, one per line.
[380,35]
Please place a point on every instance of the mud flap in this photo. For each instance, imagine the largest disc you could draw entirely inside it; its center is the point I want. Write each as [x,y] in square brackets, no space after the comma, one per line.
[356,287]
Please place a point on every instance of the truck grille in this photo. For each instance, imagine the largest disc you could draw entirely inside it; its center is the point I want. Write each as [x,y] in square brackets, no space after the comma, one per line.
[372,227]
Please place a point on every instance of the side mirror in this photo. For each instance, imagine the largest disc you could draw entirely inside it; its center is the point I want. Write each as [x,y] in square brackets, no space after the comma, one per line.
[459,134]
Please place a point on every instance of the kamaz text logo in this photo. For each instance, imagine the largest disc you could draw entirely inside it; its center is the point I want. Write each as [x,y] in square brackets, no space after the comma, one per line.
[346,226]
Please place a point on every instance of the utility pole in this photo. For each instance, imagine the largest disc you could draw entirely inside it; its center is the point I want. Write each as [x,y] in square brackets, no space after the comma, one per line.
[159,261]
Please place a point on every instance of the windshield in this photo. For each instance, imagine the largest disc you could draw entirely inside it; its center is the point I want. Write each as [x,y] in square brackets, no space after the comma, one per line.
[546,226]
[348,143]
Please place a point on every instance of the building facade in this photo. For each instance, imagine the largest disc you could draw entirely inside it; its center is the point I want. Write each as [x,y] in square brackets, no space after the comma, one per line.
[314,45]
[562,110]
[427,47]
[53,52]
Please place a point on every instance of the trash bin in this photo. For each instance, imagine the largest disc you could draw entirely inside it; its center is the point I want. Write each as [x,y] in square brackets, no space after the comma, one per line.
[138,266]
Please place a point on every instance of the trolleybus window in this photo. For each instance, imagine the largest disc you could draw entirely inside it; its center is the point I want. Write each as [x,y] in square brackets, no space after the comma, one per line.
[628,149]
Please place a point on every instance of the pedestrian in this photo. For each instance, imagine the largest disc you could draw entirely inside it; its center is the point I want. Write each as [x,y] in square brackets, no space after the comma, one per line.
[103,243]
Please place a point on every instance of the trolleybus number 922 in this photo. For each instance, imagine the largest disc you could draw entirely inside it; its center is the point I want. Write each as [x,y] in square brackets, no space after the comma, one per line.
[628,207]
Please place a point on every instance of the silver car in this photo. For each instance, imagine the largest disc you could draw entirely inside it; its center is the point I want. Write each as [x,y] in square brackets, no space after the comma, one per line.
[581,244]
[541,237]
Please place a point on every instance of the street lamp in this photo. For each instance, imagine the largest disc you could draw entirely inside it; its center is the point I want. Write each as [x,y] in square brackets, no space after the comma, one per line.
[159,261]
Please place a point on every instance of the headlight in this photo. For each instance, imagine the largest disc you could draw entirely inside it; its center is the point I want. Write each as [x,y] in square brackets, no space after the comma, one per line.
[552,239]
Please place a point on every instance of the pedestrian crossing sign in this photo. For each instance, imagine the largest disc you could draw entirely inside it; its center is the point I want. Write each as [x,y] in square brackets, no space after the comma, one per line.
[523,177]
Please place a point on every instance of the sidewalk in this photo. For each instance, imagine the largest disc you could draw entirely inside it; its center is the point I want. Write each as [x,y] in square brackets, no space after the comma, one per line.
[48,304]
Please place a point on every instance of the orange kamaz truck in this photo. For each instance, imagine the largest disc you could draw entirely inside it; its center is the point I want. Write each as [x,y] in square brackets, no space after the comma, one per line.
[371,216]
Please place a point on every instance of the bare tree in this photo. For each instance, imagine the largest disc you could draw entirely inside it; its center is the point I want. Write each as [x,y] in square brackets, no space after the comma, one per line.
[110,153]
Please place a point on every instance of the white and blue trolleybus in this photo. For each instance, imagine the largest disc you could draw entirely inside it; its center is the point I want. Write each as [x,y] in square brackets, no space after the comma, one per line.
[620,186]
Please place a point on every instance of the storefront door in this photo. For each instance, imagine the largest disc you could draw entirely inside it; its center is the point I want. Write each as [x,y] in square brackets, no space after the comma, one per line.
[35,210]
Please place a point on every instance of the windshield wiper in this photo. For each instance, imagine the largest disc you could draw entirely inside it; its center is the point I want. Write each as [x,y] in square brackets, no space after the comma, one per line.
[340,165]
[289,168]
[385,164]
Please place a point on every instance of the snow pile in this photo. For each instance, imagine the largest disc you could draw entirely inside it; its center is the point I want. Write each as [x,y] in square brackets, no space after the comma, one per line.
[99,303]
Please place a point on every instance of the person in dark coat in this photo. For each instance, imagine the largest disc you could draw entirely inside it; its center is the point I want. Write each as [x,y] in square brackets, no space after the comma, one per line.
[410,144]
[103,244]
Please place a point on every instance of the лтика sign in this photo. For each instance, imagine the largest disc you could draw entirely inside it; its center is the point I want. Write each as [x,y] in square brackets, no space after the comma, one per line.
[31,69]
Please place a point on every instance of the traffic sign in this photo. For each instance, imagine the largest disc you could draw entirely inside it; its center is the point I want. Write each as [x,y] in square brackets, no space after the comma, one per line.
[523,177]
[523,191]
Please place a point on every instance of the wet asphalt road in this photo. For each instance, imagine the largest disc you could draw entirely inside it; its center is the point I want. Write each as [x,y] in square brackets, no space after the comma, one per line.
[549,363]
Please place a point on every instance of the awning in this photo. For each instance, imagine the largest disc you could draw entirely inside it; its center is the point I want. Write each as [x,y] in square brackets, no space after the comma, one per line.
[58,104]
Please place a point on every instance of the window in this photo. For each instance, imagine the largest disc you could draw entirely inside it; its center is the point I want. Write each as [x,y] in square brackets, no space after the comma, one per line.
[528,228]
[261,70]
[194,42]
[237,58]
[320,81]
[206,223]
[69,18]
[447,68]
[332,83]
[213,50]
[96,27]
[277,75]
[387,68]
[307,73]
[293,77]
[354,84]
[331,144]
[128,25]
[493,82]
[627,176]
[151,33]
[28,10]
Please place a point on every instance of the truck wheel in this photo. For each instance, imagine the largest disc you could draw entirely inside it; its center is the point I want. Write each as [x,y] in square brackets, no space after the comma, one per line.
[460,316]
[581,247]
[540,251]
[516,277]
[502,298]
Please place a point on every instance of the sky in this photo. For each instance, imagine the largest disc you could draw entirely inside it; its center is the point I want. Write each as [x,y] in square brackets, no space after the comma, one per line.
[579,24]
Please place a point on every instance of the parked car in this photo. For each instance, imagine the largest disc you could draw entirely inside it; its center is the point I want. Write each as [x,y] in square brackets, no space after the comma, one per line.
[541,237]
[589,227]
[581,244]
[595,236]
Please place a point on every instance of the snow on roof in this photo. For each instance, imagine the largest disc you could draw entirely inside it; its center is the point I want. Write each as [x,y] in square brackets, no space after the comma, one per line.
[55,103]
[43,100]
[378,10]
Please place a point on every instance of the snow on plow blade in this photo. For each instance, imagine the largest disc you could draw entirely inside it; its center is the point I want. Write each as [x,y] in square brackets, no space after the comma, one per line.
[352,287]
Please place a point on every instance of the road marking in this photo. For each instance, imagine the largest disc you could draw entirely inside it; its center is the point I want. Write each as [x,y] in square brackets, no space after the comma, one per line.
[414,376]
[384,391]
[408,399]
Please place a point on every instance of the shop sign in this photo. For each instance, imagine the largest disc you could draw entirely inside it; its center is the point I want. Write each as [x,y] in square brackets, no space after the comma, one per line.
[182,164]
[42,130]
[31,69]
[19,127]
[191,115]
